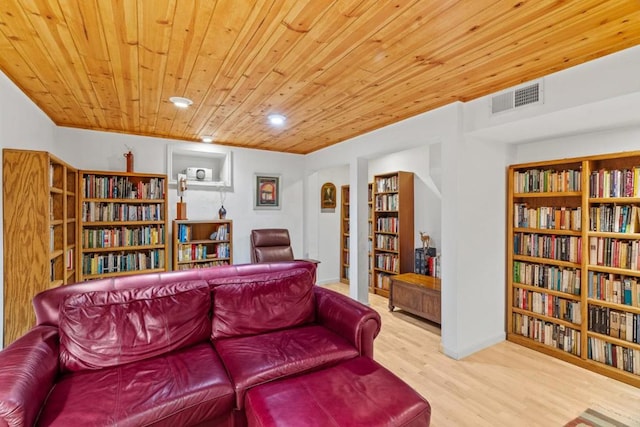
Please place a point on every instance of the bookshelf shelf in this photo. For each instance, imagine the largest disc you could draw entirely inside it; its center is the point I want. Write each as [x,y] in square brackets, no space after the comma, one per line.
[604,222]
[547,291]
[194,247]
[38,183]
[123,224]
[345,235]
[393,229]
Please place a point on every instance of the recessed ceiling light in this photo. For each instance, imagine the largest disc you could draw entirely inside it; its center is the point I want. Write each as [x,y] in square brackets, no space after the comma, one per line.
[180,102]
[207,139]
[276,119]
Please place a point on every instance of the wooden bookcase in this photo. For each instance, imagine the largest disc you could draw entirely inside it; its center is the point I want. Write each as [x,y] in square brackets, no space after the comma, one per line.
[39,220]
[393,238]
[573,261]
[199,244]
[122,224]
[344,233]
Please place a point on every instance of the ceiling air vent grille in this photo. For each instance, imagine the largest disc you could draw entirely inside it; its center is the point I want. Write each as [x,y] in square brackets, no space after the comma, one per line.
[526,95]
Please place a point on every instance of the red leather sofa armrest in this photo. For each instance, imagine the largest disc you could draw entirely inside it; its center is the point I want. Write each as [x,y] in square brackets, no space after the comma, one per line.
[28,369]
[348,318]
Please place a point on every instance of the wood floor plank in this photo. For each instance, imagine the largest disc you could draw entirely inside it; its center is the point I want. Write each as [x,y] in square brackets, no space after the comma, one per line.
[503,385]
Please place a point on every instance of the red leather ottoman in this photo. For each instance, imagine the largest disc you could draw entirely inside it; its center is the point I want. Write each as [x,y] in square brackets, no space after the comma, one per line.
[358,392]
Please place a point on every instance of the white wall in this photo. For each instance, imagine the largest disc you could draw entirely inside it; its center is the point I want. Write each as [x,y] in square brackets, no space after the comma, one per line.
[327,223]
[105,151]
[22,125]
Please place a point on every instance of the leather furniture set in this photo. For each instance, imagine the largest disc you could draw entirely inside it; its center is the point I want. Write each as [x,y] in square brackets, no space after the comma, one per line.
[254,344]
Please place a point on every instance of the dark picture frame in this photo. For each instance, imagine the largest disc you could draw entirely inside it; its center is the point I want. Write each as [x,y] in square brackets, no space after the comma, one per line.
[328,196]
[266,192]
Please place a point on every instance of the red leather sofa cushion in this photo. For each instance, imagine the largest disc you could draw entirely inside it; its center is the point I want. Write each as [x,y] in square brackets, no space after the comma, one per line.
[253,305]
[355,393]
[110,328]
[181,388]
[257,359]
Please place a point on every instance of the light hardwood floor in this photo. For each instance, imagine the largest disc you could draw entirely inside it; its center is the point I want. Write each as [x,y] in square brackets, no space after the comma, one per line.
[504,385]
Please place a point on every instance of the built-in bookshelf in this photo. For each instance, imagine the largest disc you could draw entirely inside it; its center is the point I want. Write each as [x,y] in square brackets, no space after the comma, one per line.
[199,244]
[344,233]
[393,233]
[122,224]
[573,264]
[39,202]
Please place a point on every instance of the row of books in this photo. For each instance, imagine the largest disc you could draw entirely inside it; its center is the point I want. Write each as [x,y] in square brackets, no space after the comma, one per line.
[192,252]
[387,202]
[185,233]
[610,252]
[614,288]
[613,218]
[548,333]
[387,225]
[547,217]
[615,323]
[562,248]
[201,251]
[615,183]
[426,262]
[548,180]
[109,211]
[383,281]
[387,262]
[123,261]
[121,187]
[221,233]
[193,265]
[122,236]
[548,305]
[551,277]
[626,359]
[387,184]
[387,242]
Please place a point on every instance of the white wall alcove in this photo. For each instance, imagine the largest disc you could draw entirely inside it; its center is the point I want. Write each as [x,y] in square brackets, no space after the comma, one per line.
[216,161]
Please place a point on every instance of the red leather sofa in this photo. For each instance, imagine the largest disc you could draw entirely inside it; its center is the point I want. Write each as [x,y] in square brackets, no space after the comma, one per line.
[177,348]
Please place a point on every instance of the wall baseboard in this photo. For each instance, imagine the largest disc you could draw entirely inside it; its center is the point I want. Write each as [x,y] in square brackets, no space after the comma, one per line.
[469,350]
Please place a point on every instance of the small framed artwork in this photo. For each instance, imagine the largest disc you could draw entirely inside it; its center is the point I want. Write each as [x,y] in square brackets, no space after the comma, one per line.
[328,196]
[267,191]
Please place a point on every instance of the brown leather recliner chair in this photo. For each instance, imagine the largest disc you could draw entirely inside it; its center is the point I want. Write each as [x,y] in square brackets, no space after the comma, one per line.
[270,245]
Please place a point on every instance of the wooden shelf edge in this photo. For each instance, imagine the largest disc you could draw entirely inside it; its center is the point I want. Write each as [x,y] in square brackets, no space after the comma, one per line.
[121,248]
[121,273]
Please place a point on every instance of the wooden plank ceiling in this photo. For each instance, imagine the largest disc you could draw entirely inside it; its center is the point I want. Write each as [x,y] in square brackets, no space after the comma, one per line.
[336,69]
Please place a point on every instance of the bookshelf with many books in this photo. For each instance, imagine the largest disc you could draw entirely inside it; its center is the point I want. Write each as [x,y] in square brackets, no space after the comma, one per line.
[344,233]
[123,224]
[39,232]
[393,234]
[573,261]
[200,244]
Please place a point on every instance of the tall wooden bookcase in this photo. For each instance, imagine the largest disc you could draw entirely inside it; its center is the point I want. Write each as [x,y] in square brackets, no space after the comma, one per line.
[122,224]
[39,220]
[344,233]
[199,244]
[573,261]
[393,239]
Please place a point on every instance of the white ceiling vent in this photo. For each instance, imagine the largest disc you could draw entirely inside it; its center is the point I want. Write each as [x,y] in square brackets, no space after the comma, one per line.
[515,98]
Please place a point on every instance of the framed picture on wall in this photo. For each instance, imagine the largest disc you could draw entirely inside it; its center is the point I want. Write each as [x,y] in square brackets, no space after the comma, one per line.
[328,196]
[266,192]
